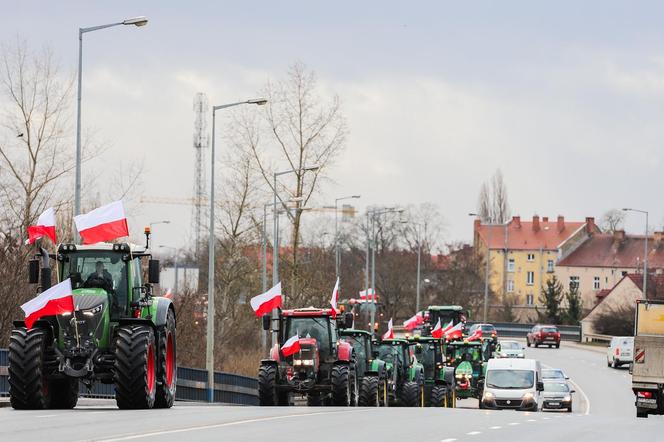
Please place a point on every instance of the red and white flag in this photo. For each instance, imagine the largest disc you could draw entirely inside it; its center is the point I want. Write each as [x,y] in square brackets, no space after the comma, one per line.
[54,301]
[291,346]
[477,334]
[448,326]
[45,227]
[455,332]
[414,321]
[266,302]
[364,296]
[102,224]
[437,331]
[389,334]
[335,298]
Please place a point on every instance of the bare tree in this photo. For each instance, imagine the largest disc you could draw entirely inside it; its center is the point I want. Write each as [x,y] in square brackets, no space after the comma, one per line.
[612,220]
[492,204]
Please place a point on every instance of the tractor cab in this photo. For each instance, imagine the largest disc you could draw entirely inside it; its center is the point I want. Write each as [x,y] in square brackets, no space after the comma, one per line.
[405,372]
[468,361]
[444,313]
[438,378]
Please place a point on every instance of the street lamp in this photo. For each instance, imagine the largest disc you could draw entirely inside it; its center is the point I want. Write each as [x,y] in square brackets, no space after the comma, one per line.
[175,264]
[645,251]
[135,21]
[337,254]
[209,353]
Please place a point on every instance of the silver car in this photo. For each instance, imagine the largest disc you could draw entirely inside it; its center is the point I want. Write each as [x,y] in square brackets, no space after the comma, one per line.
[557,396]
[509,349]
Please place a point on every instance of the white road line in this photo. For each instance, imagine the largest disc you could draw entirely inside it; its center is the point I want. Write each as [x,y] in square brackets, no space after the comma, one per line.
[225,424]
[474,433]
[513,423]
[448,440]
[496,427]
[531,420]
[585,397]
[47,415]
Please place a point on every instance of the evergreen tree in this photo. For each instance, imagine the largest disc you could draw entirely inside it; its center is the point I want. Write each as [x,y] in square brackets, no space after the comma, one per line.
[551,297]
[574,306]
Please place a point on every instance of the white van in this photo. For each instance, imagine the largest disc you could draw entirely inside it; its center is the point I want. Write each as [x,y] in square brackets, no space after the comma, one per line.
[512,384]
[620,351]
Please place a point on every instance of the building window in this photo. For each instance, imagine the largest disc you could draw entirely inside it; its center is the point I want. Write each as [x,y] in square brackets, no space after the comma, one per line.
[531,257]
[530,278]
[573,282]
[510,265]
[510,286]
[549,266]
[596,283]
[529,299]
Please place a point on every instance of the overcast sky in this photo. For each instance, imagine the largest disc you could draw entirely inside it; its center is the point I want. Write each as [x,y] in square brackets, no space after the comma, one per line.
[567,98]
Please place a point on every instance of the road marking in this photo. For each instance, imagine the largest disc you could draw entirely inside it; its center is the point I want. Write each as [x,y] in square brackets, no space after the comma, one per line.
[222,425]
[585,397]
[48,415]
[497,427]
[474,433]
[531,420]
[546,418]
[448,440]
[513,423]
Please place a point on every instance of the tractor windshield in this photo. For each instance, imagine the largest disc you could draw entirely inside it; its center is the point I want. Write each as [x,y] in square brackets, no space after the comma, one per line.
[446,316]
[427,357]
[312,327]
[360,346]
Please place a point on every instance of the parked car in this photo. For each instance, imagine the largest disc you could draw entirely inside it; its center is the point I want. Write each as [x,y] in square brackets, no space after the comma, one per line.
[554,374]
[509,349]
[543,335]
[557,396]
[512,384]
[620,351]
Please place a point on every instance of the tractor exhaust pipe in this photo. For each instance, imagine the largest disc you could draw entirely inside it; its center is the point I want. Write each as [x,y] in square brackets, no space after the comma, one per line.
[45,274]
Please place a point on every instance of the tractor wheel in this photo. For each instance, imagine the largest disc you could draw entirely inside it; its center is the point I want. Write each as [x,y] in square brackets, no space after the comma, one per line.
[28,385]
[438,396]
[341,385]
[370,392]
[135,367]
[267,383]
[167,373]
[315,400]
[64,393]
[412,394]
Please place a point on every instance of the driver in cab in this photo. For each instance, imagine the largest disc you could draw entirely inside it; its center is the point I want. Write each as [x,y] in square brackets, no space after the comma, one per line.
[100,278]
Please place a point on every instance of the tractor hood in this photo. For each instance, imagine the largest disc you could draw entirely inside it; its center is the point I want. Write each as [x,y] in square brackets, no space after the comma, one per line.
[86,327]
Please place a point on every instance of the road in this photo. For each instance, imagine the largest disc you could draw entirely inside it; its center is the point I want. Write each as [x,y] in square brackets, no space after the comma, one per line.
[607,414]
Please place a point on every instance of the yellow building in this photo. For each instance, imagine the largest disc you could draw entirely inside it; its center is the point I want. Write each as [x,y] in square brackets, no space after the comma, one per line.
[523,256]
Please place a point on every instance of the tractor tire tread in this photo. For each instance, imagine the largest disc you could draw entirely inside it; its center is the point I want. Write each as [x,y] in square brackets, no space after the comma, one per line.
[26,351]
[131,367]
[369,392]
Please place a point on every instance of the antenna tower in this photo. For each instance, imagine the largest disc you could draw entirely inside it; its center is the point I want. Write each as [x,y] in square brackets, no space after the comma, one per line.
[200,144]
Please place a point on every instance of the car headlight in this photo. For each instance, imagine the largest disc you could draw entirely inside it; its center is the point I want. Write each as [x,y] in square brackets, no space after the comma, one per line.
[503,354]
[303,362]
[528,397]
[488,396]
[567,398]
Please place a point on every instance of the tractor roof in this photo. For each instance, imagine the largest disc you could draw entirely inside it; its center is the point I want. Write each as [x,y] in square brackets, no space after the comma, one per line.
[393,341]
[353,332]
[465,343]
[103,246]
[456,308]
[311,312]
[417,338]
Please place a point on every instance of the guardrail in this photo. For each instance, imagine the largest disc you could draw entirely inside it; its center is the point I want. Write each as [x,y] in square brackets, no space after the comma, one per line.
[229,388]
[593,337]
[515,330]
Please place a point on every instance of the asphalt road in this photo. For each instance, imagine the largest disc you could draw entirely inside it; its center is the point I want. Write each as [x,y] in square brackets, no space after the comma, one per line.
[604,411]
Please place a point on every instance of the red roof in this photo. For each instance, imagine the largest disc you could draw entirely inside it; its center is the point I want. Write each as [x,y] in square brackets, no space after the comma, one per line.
[616,250]
[531,235]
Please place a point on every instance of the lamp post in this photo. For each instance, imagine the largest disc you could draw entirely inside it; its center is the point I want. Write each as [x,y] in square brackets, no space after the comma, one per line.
[175,264]
[209,351]
[337,254]
[645,251]
[136,21]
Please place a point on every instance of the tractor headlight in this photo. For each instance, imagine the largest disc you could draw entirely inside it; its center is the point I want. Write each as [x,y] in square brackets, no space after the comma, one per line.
[460,376]
[93,311]
[303,362]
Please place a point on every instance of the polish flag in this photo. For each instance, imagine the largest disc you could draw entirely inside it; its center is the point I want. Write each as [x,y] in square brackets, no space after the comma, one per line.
[437,331]
[389,334]
[45,227]
[268,301]
[367,297]
[335,298]
[54,301]
[455,332]
[448,326]
[102,224]
[414,321]
[477,334]
[291,346]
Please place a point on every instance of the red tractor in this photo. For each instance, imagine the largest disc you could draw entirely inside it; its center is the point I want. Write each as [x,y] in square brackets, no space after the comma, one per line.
[323,369]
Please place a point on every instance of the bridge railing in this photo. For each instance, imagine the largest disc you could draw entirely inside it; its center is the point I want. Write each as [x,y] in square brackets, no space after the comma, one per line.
[515,330]
[191,385]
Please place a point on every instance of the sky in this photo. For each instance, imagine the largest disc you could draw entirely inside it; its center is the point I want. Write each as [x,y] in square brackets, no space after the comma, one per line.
[565,97]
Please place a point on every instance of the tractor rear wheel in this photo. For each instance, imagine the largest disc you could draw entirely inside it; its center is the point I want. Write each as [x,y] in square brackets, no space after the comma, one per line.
[412,394]
[135,367]
[341,385]
[370,392]
[64,393]
[438,396]
[167,373]
[28,385]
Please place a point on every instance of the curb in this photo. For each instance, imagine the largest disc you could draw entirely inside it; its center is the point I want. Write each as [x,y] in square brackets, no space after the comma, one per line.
[587,347]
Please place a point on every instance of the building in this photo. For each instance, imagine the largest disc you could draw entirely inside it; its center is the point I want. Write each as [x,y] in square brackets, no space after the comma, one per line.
[601,261]
[523,256]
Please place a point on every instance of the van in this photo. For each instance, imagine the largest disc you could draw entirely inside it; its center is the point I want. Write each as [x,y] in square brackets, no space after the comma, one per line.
[620,351]
[512,384]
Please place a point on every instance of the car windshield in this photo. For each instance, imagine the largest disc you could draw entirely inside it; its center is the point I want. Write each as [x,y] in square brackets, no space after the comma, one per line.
[510,345]
[549,329]
[556,387]
[510,379]
[552,374]
[311,327]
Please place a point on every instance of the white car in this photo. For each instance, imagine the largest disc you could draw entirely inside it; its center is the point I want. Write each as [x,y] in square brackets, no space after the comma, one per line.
[620,351]
[509,349]
[512,383]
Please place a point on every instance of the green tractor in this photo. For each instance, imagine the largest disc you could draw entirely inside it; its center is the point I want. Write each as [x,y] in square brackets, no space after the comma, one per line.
[439,384]
[118,334]
[405,375]
[371,371]
[468,358]
[445,313]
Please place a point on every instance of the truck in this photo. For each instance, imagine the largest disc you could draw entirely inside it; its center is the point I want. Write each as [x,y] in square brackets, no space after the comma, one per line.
[647,370]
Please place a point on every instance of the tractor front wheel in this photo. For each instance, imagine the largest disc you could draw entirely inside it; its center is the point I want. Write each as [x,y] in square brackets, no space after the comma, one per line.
[370,392]
[341,385]
[167,377]
[28,385]
[412,394]
[438,396]
[135,367]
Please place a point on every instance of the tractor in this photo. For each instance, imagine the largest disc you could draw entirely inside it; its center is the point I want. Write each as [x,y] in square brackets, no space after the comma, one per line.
[323,370]
[445,313]
[119,332]
[468,358]
[439,384]
[405,375]
[371,371]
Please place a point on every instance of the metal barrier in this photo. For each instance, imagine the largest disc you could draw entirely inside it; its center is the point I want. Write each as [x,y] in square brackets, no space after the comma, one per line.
[191,386]
[515,330]
[592,337]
